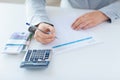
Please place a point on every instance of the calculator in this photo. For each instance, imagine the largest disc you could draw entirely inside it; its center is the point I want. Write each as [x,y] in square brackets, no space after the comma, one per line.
[37,58]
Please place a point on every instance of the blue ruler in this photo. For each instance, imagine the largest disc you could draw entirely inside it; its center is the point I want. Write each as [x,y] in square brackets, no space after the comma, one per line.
[76,41]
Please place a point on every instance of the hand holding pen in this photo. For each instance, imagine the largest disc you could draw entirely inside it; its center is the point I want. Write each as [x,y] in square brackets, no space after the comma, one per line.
[44,33]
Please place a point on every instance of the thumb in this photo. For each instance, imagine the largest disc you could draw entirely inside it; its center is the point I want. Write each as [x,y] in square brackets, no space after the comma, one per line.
[51,29]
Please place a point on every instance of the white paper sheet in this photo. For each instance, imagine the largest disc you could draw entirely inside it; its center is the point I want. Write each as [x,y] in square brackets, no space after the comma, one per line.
[67,38]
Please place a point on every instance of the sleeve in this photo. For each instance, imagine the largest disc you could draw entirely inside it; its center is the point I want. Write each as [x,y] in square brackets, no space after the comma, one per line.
[36,12]
[112,11]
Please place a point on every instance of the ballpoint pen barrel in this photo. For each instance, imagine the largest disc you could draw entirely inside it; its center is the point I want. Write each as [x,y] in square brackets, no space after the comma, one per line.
[32,29]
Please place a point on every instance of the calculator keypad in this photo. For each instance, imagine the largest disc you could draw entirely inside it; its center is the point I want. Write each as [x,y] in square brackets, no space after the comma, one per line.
[37,58]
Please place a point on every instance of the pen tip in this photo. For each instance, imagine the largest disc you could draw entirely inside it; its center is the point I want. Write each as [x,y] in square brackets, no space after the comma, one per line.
[27,24]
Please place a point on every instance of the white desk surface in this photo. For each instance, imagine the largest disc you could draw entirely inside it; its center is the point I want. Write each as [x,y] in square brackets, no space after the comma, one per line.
[96,62]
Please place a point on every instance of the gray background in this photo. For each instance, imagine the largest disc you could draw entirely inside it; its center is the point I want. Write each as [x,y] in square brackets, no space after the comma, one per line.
[49,2]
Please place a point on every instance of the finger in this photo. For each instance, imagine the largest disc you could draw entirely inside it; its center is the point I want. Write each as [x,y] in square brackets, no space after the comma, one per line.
[51,29]
[44,41]
[74,22]
[78,22]
[43,35]
[47,28]
[84,24]
[90,25]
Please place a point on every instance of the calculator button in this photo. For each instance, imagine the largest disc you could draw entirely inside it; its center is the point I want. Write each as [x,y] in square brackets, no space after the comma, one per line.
[47,55]
[39,60]
[28,55]
[34,50]
[31,59]
[36,58]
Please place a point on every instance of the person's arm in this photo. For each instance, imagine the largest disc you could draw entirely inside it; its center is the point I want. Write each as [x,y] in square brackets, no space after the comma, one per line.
[112,11]
[36,15]
[36,12]
[108,13]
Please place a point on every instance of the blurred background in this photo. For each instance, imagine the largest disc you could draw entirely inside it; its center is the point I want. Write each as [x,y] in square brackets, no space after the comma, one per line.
[49,2]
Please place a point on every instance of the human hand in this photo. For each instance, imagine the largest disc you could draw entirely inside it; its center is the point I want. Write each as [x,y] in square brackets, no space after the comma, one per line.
[89,20]
[43,37]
